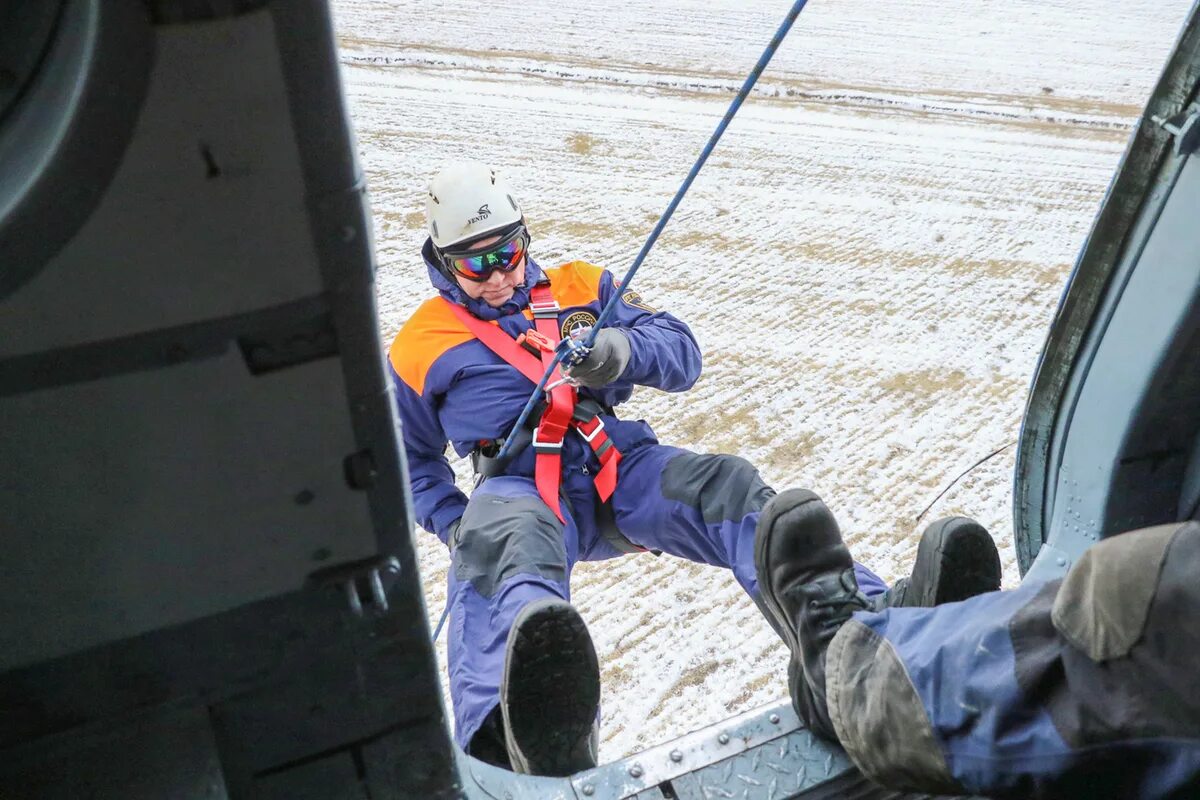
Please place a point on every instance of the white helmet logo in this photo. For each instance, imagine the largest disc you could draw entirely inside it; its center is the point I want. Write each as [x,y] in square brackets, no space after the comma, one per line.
[467,200]
[483,213]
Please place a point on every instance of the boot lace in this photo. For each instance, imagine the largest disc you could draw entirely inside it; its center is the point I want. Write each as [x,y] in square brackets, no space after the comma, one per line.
[841,605]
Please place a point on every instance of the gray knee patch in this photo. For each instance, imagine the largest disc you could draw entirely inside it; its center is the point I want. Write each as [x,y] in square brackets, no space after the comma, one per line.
[1105,599]
[1110,651]
[504,536]
[878,715]
[722,487]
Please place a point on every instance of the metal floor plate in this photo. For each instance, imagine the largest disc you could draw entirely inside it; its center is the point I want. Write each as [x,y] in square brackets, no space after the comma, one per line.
[765,754]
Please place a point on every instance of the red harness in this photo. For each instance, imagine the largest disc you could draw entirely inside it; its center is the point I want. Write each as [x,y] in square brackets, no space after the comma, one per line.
[559,415]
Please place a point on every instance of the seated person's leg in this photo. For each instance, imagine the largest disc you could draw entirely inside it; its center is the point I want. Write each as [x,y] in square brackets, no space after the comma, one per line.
[511,629]
[1083,691]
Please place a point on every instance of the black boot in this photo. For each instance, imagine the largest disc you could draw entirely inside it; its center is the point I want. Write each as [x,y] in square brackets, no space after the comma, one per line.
[956,559]
[806,580]
[550,691]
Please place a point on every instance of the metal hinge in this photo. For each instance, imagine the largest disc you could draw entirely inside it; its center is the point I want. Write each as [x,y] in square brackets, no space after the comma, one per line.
[361,582]
[1185,127]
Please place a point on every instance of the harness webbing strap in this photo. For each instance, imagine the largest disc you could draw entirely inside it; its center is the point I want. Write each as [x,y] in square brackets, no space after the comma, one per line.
[560,414]
[500,343]
[609,456]
[560,404]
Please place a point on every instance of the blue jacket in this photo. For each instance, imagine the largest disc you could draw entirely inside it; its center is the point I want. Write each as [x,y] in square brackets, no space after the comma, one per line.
[451,388]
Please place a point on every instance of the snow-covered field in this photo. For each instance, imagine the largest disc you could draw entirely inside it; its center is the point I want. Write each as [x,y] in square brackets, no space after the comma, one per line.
[870,259]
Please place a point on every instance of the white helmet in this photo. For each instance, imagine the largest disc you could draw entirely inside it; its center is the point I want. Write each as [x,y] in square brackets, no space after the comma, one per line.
[468,200]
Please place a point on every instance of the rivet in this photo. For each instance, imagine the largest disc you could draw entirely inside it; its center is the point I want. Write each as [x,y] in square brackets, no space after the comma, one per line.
[588,789]
[676,756]
[1062,562]
[774,719]
[723,738]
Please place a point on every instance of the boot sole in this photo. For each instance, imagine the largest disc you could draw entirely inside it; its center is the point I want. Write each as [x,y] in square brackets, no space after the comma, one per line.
[956,560]
[550,691]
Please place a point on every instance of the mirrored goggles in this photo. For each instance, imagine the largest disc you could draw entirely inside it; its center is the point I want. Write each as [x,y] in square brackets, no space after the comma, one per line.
[478,265]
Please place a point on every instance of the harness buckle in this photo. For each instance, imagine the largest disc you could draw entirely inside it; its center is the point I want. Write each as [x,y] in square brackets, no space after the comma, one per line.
[545,310]
[541,446]
[539,340]
[587,435]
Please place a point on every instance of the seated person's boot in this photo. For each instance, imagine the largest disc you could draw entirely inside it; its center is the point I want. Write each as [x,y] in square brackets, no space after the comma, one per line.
[550,691]
[806,580]
[956,559]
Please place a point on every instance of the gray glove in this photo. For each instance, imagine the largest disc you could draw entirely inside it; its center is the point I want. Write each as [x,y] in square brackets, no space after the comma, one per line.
[608,359]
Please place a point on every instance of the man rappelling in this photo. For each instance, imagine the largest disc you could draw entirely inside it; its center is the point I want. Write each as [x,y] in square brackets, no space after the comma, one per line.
[577,483]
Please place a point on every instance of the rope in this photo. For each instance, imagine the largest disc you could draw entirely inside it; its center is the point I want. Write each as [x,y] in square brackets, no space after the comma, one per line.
[607,312]
[442,621]
[962,475]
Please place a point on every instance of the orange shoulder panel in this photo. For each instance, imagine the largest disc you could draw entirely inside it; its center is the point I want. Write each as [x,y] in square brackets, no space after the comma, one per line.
[576,283]
[429,333]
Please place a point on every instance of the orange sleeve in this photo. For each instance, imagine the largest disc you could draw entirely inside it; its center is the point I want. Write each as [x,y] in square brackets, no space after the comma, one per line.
[429,333]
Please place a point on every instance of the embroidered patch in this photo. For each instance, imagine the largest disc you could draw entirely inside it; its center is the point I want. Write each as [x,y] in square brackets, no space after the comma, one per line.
[576,320]
[632,298]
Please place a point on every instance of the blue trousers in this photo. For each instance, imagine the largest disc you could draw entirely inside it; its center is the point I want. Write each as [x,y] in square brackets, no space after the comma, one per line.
[1084,686]
[510,550]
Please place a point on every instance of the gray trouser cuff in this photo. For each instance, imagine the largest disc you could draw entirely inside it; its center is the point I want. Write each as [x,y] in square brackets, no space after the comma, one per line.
[878,715]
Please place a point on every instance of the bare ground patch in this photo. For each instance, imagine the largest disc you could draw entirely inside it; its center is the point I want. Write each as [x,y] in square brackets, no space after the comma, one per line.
[752,688]
[581,143]
[693,676]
